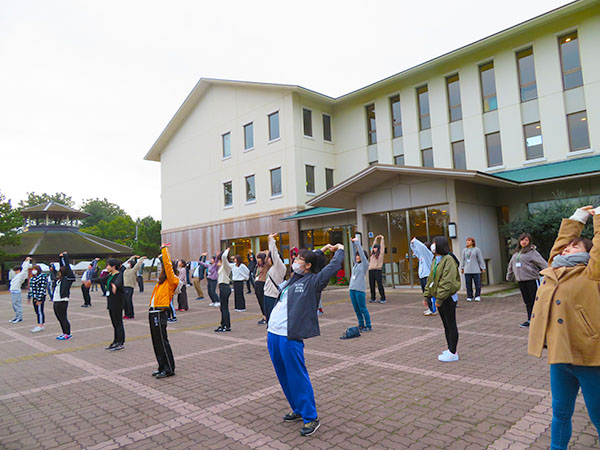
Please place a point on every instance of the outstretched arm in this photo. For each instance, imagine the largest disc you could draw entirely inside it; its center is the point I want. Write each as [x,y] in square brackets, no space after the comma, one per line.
[331,269]
[570,229]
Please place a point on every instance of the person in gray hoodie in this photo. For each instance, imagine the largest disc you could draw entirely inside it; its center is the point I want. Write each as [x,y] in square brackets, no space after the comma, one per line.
[472,265]
[524,267]
[358,286]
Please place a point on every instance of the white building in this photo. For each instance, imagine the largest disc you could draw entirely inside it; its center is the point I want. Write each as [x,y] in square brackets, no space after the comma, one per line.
[472,137]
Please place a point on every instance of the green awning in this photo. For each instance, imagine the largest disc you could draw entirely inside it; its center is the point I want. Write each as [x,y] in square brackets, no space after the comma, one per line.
[315,212]
[560,169]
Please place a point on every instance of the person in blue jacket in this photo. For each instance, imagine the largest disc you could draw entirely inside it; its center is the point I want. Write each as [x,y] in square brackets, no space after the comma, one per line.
[293,319]
[423,253]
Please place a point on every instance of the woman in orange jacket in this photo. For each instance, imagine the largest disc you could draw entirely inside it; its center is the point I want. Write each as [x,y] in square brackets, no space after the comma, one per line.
[158,314]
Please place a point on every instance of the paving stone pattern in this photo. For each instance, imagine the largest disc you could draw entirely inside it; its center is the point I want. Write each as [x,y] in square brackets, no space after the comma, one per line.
[385,389]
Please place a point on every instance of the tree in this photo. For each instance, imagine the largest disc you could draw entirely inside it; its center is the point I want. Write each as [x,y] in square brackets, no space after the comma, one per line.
[149,238]
[10,221]
[100,210]
[34,199]
[120,230]
[544,221]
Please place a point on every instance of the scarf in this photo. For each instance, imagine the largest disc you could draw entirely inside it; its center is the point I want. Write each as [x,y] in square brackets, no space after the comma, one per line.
[571,260]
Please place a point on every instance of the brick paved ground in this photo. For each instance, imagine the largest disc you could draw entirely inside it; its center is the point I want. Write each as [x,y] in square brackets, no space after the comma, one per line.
[385,389]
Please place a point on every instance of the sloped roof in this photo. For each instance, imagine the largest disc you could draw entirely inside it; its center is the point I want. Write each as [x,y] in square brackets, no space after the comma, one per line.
[561,169]
[52,209]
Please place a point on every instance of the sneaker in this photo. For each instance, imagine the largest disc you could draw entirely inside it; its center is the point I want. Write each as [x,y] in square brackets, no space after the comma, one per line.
[217,304]
[448,357]
[37,329]
[309,428]
[60,336]
[240,310]
[262,322]
[445,351]
[117,347]
[429,312]
[172,320]
[469,299]
[12,320]
[16,320]
[211,304]
[292,417]
[383,300]
[226,329]
[110,347]
[365,328]
[220,329]
[320,312]
[477,299]
[64,337]
[372,300]
[199,298]
[525,324]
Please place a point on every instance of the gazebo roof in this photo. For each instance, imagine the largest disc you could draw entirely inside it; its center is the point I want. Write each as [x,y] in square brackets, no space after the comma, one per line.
[52,209]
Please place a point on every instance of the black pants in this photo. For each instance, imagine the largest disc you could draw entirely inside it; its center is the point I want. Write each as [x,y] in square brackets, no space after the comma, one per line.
[212,290]
[182,300]
[269,305]
[60,310]
[224,293]
[128,305]
[528,291]
[160,341]
[140,281]
[471,278]
[87,300]
[448,315]
[376,277]
[259,290]
[238,293]
[423,282]
[115,313]
[250,282]
[39,312]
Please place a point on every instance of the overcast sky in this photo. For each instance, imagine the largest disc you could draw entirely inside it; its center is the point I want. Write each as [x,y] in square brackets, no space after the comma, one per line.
[87,86]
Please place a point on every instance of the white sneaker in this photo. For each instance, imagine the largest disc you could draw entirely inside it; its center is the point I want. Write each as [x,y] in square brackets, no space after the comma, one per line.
[477,299]
[37,329]
[445,352]
[217,304]
[448,357]
[211,304]
[469,299]
[428,312]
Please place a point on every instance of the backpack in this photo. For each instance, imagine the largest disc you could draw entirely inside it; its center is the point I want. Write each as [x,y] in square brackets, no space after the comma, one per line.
[351,332]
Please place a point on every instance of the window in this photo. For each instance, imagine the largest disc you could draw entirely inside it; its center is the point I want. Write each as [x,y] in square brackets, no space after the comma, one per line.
[275,182]
[328,178]
[488,87]
[326,128]
[459,158]
[228,193]
[454,106]
[533,140]
[423,99]
[579,138]
[427,157]
[248,136]
[396,116]
[274,126]
[250,189]
[399,160]
[371,125]
[310,179]
[307,122]
[569,59]
[226,145]
[527,75]
[494,149]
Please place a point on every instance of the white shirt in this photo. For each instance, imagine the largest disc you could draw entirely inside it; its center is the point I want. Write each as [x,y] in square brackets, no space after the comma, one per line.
[56,294]
[239,273]
[279,316]
[18,279]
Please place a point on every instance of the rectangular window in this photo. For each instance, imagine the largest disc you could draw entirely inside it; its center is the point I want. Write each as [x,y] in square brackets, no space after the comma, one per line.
[226,145]
[454,106]
[579,137]
[248,136]
[310,179]
[488,86]
[427,157]
[274,126]
[228,193]
[307,122]
[326,128]
[458,155]
[399,160]
[328,178]
[423,99]
[569,59]
[494,149]
[250,189]
[533,140]
[275,182]
[396,116]
[371,125]
[527,75]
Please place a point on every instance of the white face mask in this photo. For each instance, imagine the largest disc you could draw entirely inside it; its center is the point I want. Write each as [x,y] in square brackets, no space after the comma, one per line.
[297,268]
[34,272]
[433,248]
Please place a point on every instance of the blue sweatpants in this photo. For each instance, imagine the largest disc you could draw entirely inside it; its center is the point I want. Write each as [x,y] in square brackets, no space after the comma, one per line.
[359,302]
[565,380]
[287,356]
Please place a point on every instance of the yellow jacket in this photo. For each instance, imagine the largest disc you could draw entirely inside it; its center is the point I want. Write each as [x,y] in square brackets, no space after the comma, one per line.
[163,293]
[566,314]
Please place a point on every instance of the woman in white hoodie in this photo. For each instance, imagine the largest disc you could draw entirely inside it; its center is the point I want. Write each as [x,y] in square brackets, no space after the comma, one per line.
[239,274]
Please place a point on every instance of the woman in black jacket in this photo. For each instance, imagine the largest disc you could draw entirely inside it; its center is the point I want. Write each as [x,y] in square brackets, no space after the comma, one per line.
[115,294]
[61,290]
[252,268]
[293,319]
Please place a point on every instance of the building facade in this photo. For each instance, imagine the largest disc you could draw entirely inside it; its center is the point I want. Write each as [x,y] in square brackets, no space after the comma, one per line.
[469,138]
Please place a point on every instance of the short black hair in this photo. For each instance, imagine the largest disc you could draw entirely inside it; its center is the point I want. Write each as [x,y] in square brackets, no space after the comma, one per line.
[310,257]
[114,263]
[442,247]
[17,268]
